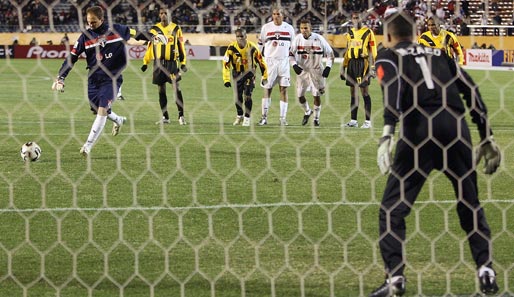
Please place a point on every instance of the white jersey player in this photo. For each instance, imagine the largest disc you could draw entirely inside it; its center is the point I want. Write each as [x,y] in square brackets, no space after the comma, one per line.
[275,43]
[307,52]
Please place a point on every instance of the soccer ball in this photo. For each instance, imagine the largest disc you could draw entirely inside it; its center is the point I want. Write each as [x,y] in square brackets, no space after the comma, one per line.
[30,151]
[160,39]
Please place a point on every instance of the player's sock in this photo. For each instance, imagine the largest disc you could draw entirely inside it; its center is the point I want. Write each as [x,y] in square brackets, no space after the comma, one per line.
[96,130]
[367,107]
[180,103]
[306,107]
[283,109]
[113,117]
[317,111]
[354,107]
[163,102]
[248,107]
[266,102]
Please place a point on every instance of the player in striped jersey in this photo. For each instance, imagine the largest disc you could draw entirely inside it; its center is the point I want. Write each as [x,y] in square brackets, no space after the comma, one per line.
[166,49]
[275,42]
[243,57]
[307,52]
[106,58]
[357,69]
[435,37]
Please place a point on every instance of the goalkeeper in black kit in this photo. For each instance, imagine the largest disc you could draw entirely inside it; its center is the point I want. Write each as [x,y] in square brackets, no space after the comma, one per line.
[422,89]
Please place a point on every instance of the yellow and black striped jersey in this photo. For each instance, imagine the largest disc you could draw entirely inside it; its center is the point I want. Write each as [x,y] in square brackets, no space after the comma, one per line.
[243,60]
[166,44]
[360,43]
[446,40]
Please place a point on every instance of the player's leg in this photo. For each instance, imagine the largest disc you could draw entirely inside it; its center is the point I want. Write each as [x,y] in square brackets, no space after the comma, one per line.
[471,214]
[163,103]
[301,89]
[98,97]
[248,102]
[367,106]
[239,102]
[353,79]
[401,191]
[267,88]
[179,101]
[317,109]
[284,82]
[117,120]
[317,88]
[354,108]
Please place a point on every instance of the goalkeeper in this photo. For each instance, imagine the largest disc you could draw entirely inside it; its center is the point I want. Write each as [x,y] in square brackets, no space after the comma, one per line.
[243,57]
[106,58]
[422,89]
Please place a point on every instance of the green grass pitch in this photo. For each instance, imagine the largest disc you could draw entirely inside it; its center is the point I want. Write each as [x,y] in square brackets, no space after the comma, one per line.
[210,209]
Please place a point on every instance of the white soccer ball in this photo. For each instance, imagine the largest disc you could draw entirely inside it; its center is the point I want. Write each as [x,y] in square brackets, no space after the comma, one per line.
[160,38]
[30,151]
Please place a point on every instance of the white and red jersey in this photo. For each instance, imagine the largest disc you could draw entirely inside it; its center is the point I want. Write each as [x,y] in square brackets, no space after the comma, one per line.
[275,41]
[308,53]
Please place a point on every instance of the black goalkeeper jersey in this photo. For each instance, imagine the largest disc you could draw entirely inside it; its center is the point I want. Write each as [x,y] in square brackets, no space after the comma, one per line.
[419,77]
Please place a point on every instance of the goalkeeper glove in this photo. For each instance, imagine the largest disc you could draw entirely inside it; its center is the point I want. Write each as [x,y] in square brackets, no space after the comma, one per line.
[144,67]
[326,72]
[58,84]
[490,151]
[385,148]
[228,84]
[183,68]
[297,69]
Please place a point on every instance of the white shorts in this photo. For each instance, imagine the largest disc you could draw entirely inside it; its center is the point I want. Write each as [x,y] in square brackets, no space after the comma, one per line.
[278,72]
[310,80]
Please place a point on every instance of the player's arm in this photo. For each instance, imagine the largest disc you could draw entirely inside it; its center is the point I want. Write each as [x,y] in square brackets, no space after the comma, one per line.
[259,60]
[471,94]
[181,50]
[67,64]
[149,55]
[487,149]
[389,79]
[372,46]
[458,49]
[328,52]
[227,62]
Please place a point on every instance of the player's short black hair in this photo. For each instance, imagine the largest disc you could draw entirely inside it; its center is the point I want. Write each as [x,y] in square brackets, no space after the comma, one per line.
[400,25]
[240,31]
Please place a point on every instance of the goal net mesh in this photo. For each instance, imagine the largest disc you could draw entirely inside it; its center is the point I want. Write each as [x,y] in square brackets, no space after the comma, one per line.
[212,209]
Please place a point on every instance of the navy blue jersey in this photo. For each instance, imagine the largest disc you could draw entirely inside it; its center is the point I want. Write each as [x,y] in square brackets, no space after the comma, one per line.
[105,51]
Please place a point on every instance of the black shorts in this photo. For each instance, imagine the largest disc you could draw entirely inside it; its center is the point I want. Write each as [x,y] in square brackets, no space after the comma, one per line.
[163,70]
[357,73]
[246,84]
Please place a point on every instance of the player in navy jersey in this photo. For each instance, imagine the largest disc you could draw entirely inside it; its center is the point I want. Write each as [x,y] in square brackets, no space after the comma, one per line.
[106,58]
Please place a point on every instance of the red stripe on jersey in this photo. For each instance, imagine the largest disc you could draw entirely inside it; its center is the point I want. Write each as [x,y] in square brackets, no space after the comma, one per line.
[316,48]
[371,43]
[107,38]
[277,32]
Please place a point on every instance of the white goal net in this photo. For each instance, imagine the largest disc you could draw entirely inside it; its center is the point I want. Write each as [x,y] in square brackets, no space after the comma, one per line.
[209,208]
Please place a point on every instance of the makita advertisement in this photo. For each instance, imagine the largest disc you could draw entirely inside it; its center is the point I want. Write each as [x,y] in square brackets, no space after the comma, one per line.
[60,52]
